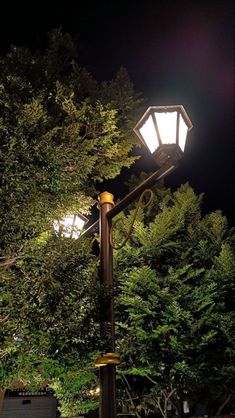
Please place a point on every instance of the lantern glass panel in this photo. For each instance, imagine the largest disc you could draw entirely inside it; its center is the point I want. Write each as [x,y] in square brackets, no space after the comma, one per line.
[183,130]
[167,126]
[149,134]
[69,227]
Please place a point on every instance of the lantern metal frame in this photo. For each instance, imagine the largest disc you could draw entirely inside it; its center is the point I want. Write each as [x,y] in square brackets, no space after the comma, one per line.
[164,151]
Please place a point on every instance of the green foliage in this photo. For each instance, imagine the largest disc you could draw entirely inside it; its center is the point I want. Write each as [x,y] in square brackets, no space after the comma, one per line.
[175,312]
[73,392]
[61,133]
[50,299]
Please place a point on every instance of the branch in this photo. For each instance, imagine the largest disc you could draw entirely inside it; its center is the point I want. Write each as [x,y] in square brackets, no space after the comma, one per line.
[223,405]
[166,397]
[159,405]
[8,263]
[171,393]
[151,380]
[128,389]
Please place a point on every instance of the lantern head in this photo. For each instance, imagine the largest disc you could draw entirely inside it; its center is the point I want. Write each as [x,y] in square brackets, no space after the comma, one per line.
[163,129]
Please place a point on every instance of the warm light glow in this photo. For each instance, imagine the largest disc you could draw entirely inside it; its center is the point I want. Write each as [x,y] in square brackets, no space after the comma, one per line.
[166,123]
[95,392]
[183,130]
[70,226]
[148,132]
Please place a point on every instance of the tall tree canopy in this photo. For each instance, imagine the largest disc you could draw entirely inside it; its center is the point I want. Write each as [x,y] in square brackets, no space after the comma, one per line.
[61,134]
[176,295]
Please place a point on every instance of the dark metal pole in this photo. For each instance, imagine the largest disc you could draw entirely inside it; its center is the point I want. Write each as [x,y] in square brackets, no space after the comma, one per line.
[161,173]
[107,361]
[107,373]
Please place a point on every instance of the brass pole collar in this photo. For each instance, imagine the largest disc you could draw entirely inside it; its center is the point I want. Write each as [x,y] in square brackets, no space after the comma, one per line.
[106,197]
[108,359]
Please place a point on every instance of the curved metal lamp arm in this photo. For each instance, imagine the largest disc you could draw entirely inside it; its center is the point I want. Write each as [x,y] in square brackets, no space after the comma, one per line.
[139,203]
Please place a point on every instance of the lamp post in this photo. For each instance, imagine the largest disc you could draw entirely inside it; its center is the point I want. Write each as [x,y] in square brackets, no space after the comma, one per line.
[163,130]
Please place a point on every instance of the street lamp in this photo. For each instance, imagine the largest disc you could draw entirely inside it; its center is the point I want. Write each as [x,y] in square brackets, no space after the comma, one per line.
[70,226]
[163,129]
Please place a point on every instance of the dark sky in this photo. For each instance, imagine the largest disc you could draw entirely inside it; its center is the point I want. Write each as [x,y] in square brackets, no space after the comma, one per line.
[176,52]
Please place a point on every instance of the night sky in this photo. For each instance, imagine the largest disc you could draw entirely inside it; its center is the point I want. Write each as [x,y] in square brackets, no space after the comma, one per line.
[176,52]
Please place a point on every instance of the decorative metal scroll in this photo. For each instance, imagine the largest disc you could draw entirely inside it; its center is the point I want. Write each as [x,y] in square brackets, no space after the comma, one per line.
[139,204]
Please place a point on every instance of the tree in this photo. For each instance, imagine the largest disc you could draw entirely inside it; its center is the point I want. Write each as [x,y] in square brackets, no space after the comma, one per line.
[62,134]
[175,282]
